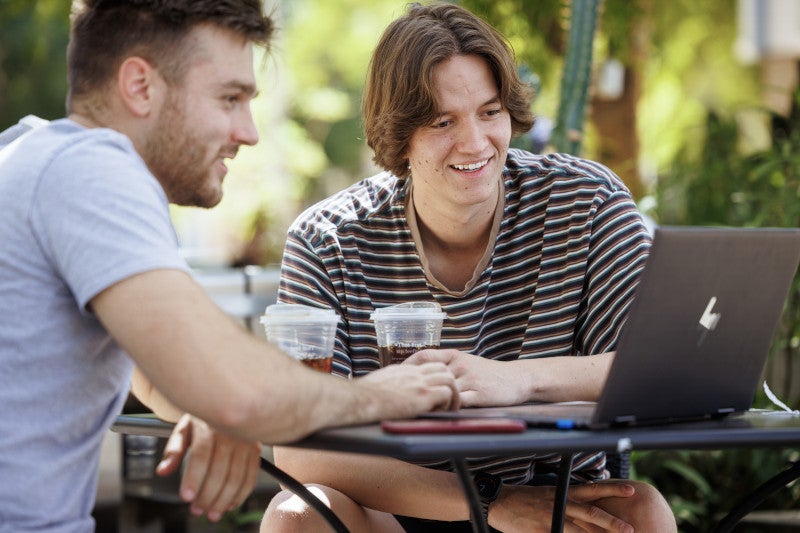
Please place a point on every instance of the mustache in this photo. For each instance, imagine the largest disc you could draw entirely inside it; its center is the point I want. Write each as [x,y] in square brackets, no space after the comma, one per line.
[229,152]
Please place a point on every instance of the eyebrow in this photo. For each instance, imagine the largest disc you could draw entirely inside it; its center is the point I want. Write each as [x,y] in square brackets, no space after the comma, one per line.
[247,88]
[494,100]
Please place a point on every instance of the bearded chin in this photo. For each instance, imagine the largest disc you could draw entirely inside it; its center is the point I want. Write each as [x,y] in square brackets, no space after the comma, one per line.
[209,200]
[193,193]
[181,171]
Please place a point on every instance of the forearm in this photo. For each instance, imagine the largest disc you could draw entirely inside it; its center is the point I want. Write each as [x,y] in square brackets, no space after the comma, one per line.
[250,389]
[559,379]
[205,364]
[380,483]
[486,382]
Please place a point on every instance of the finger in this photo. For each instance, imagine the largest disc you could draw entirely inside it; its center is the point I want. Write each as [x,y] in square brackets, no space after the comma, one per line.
[437,369]
[442,372]
[434,367]
[446,397]
[469,398]
[216,475]
[455,397]
[594,516]
[176,447]
[435,373]
[197,465]
[252,468]
[440,375]
[586,527]
[235,477]
[427,356]
[595,491]
[576,526]
[241,479]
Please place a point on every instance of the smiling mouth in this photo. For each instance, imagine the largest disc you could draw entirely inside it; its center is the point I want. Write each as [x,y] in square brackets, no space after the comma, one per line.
[472,167]
[222,164]
[225,157]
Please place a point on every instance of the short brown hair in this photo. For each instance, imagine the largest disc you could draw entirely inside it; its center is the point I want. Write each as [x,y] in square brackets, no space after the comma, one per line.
[399,96]
[104,32]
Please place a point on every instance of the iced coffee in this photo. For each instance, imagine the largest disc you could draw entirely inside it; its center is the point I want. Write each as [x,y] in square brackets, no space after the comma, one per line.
[407,328]
[304,332]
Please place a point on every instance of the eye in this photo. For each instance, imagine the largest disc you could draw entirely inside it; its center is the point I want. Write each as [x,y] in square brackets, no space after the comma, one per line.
[439,124]
[232,100]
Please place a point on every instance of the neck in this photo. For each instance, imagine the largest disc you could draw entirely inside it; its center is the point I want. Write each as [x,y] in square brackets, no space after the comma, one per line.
[456,228]
[88,111]
[86,122]
[91,113]
[453,246]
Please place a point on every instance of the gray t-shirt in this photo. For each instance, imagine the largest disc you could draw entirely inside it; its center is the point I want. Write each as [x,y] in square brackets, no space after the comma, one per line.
[79,212]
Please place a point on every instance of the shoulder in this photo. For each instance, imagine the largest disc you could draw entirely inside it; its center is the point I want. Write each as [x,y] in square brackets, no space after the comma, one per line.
[90,161]
[90,147]
[357,205]
[65,135]
[562,169]
[65,151]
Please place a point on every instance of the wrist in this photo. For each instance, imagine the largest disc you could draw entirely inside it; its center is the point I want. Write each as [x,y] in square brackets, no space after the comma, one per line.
[488,487]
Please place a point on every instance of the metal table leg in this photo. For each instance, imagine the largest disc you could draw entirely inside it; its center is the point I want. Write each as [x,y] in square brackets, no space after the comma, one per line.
[475,515]
[300,490]
[562,488]
[743,508]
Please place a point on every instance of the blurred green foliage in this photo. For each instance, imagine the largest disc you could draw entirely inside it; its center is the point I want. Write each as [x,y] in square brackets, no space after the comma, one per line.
[33,43]
[308,111]
[703,486]
[683,49]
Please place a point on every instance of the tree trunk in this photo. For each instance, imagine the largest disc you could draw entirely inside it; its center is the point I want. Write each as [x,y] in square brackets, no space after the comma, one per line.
[615,123]
[615,119]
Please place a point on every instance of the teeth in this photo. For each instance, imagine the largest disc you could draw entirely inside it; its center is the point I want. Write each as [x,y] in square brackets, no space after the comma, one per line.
[473,166]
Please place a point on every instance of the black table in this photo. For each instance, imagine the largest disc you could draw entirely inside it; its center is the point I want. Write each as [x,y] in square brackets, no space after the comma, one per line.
[755,429]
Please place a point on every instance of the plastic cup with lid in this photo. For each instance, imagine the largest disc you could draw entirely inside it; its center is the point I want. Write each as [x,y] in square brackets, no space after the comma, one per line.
[306,333]
[406,328]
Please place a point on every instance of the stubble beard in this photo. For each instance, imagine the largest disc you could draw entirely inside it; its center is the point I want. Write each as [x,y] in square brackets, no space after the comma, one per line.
[175,156]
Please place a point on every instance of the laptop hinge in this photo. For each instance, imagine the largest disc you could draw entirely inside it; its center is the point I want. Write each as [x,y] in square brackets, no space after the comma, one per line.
[627,419]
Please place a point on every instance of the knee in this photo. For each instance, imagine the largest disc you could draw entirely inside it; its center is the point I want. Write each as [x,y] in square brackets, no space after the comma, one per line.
[650,510]
[288,513]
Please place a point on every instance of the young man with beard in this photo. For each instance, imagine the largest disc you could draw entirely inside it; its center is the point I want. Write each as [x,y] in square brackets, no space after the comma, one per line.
[533,258]
[93,283]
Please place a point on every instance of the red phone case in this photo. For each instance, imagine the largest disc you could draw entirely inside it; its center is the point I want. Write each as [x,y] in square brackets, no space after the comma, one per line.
[454,425]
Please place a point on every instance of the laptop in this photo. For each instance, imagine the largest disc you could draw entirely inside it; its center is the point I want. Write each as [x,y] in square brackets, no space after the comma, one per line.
[697,335]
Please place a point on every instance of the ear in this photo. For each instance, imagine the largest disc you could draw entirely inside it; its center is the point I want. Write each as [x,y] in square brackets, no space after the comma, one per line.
[139,86]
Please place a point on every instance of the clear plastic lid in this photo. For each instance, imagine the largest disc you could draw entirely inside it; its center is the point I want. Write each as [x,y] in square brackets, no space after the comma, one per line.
[410,311]
[297,314]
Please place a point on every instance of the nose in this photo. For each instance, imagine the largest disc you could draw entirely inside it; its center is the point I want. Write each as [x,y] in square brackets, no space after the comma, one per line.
[244,128]
[471,137]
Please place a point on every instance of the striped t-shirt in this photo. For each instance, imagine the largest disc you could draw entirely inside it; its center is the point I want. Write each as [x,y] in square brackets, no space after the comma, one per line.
[569,249]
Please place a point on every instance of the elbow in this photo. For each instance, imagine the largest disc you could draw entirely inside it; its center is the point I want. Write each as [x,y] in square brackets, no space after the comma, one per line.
[249,417]
[235,415]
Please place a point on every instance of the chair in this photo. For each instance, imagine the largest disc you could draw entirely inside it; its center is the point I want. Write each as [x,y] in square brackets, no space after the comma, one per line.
[242,293]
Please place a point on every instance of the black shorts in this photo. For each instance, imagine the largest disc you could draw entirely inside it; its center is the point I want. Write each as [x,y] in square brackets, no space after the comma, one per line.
[420,525]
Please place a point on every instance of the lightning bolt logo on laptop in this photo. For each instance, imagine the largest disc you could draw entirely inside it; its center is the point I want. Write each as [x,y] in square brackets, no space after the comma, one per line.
[708,320]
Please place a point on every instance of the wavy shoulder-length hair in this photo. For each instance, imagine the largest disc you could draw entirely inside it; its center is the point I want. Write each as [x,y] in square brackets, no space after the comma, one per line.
[399,96]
